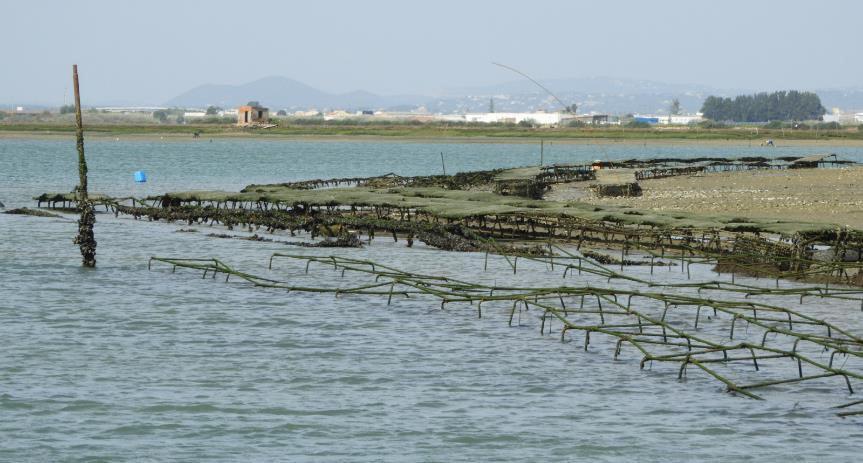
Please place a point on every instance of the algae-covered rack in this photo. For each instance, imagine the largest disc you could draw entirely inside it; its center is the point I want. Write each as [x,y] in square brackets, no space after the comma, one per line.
[456,212]
[660,327]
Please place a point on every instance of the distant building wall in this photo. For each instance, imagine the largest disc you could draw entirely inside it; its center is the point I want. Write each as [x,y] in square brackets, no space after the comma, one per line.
[589,119]
[249,115]
[131,109]
[686,119]
[514,118]
[680,119]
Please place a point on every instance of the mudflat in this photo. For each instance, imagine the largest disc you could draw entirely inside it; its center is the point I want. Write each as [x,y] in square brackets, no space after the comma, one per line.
[830,195]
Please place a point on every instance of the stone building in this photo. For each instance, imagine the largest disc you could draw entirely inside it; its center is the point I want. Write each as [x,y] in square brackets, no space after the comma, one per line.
[251,115]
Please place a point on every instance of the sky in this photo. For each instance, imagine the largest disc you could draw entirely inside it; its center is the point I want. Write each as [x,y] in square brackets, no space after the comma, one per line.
[147,52]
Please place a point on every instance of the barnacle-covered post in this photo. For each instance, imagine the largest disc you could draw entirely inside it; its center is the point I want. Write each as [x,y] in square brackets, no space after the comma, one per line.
[85,238]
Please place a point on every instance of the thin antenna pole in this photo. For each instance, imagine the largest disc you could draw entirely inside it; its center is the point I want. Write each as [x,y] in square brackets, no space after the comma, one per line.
[565,107]
[442,164]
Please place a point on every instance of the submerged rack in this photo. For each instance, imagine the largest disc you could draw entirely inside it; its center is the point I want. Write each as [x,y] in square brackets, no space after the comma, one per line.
[662,327]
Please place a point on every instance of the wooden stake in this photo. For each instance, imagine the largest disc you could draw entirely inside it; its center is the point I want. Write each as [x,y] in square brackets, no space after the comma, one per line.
[541,151]
[85,238]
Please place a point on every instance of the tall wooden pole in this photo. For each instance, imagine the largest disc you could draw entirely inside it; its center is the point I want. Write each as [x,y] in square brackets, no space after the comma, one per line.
[541,152]
[85,238]
[79,137]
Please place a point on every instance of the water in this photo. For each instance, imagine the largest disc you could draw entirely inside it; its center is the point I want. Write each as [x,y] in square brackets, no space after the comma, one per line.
[126,364]
[30,167]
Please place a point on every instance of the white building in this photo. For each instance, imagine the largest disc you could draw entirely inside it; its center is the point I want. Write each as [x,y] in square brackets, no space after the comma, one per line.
[194,114]
[858,118]
[131,109]
[539,118]
[309,113]
[679,119]
[686,119]
[337,115]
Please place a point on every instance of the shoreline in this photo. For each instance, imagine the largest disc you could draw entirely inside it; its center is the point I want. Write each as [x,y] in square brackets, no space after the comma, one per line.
[532,138]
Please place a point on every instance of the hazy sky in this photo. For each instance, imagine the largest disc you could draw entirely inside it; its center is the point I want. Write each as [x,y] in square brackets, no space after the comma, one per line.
[149,51]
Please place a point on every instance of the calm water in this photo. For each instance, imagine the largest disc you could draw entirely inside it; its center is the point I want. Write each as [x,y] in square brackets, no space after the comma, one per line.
[126,364]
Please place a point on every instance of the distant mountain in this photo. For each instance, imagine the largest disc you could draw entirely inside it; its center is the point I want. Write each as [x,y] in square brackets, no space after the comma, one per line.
[610,95]
[600,94]
[584,85]
[593,94]
[284,93]
[617,103]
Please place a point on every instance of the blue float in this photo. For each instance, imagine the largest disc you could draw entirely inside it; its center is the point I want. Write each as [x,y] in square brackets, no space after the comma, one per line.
[140,176]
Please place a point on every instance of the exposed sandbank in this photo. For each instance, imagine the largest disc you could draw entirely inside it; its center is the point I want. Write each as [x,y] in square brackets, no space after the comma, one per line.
[830,196]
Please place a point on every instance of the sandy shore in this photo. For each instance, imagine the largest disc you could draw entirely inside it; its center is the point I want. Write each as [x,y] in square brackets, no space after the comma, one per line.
[833,196]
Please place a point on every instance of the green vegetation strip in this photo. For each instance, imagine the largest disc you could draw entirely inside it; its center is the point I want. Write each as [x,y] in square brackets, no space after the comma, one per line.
[438,131]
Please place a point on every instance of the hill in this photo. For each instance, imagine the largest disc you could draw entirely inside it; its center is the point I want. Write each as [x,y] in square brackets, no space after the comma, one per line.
[599,94]
[282,92]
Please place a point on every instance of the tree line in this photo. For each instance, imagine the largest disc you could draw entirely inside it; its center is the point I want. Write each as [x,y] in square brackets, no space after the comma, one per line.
[764,107]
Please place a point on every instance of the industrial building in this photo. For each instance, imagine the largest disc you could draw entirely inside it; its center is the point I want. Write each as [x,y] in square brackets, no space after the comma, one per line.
[679,119]
[539,118]
[591,119]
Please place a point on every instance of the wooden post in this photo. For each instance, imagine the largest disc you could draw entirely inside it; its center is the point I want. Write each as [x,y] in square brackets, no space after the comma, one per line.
[85,238]
[79,137]
[443,165]
[541,151]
